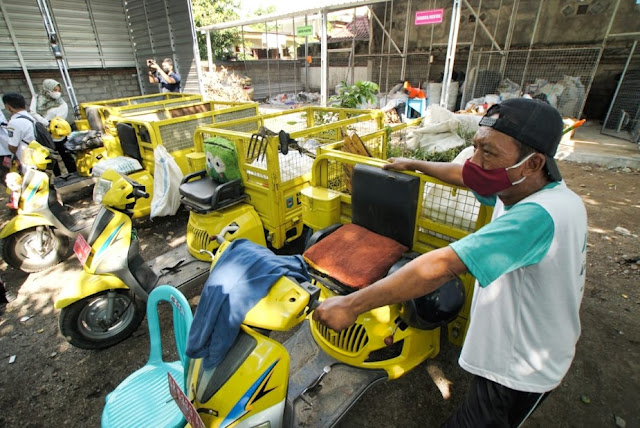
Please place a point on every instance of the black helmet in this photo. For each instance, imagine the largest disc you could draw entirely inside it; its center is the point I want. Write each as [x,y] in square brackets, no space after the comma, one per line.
[436,309]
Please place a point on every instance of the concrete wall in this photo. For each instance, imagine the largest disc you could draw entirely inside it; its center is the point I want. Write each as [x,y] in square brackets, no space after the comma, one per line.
[89,85]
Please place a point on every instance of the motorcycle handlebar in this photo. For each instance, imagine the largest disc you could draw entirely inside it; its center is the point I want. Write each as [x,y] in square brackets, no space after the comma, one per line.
[140,193]
[220,236]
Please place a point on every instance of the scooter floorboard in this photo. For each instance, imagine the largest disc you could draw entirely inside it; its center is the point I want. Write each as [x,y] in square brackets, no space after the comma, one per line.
[180,269]
[317,398]
[70,184]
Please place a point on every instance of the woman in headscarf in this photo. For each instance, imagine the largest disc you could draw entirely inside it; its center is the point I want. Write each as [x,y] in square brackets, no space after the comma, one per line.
[44,107]
[49,103]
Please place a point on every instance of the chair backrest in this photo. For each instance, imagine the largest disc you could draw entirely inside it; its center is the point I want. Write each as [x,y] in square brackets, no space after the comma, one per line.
[182,319]
[385,202]
[128,140]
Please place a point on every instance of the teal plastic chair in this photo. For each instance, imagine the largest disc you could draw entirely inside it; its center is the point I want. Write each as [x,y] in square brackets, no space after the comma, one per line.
[143,398]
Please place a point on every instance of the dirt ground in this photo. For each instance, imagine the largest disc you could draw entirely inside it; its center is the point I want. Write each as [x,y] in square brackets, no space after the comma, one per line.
[51,383]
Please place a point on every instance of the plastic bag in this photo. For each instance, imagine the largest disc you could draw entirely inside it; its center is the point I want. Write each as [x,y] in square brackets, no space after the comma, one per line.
[122,164]
[83,140]
[167,177]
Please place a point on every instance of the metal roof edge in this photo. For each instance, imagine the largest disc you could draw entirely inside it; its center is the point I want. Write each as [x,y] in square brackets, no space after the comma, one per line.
[331,6]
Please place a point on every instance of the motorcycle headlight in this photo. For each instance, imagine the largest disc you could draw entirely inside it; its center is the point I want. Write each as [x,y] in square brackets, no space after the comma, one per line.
[99,190]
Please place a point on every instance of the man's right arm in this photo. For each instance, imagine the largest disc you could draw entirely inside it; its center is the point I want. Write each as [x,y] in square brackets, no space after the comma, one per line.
[445,171]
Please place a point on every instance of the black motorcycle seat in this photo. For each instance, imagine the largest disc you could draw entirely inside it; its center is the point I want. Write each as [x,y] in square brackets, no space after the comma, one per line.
[200,192]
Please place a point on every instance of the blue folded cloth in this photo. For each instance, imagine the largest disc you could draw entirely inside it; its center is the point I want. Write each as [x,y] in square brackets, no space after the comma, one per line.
[240,278]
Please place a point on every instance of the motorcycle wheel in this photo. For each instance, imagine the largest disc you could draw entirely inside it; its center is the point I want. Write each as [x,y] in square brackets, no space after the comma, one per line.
[20,250]
[83,325]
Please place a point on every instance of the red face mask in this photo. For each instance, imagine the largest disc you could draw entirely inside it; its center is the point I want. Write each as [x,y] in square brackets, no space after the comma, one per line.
[487,182]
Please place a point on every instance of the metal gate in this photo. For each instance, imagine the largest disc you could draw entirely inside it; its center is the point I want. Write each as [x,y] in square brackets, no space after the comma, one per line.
[623,116]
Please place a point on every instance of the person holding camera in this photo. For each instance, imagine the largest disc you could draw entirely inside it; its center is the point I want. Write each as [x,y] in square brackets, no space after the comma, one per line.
[165,75]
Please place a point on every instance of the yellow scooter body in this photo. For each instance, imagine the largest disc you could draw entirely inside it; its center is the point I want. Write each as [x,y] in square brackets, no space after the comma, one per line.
[87,284]
[87,159]
[255,392]
[110,239]
[354,345]
[203,228]
[33,206]
[256,389]
[142,208]
[23,222]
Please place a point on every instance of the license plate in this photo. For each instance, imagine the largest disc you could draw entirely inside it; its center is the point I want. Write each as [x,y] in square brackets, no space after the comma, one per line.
[82,249]
[190,413]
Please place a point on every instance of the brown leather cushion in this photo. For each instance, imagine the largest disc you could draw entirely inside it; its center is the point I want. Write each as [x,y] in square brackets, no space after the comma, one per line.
[354,256]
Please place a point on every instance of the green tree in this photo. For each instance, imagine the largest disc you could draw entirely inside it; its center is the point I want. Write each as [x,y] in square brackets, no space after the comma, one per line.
[208,12]
[266,11]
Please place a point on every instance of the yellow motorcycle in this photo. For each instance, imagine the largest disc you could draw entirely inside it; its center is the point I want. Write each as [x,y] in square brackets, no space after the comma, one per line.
[315,376]
[38,236]
[107,303]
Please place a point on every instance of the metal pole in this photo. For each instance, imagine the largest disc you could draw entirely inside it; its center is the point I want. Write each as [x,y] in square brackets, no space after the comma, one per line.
[615,94]
[139,71]
[386,82]
[278,59]
[323,61]
[484,28]
[433,4]
[470,58]
[352,54]
[266,35]
[507,43]
[451,53]
[196,52]
[306,55]
[57,53]
[604,41]
[384,32]
[406,42]
[16,45]
[533,36]
[209,51]
[295,54]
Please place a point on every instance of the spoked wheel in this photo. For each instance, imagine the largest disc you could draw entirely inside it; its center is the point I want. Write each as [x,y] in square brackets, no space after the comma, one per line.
[102,320]
[35,249]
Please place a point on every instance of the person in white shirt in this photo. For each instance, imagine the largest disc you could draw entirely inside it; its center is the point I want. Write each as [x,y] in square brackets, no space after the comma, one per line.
[5,155]
[529,263]
[21,125]
[44,107]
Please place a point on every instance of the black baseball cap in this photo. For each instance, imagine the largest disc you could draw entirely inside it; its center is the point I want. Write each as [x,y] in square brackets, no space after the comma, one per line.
[534,123]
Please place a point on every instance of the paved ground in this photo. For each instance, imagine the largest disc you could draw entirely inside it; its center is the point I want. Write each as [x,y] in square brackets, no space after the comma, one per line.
[588,145]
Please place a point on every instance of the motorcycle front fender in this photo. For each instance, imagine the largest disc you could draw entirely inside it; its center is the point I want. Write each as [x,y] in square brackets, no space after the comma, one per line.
[23,222]
[87,285]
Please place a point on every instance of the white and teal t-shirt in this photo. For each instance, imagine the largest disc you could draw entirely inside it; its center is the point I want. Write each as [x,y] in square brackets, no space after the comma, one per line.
[529,263]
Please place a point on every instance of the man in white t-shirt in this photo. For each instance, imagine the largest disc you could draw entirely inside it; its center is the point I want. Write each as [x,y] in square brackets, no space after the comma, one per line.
[5,154]
[529,265]
[21,125]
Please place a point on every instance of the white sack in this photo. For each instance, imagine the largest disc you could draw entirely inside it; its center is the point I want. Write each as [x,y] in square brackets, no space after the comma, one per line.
[167,177]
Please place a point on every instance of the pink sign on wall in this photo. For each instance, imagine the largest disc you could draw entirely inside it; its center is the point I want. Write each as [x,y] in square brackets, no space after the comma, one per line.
[434,16]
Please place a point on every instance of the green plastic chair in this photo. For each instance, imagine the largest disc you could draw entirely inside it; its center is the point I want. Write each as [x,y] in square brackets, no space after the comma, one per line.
[143,398]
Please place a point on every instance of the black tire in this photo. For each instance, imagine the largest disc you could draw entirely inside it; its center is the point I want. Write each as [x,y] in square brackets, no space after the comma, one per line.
[81,324]
[20,249]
